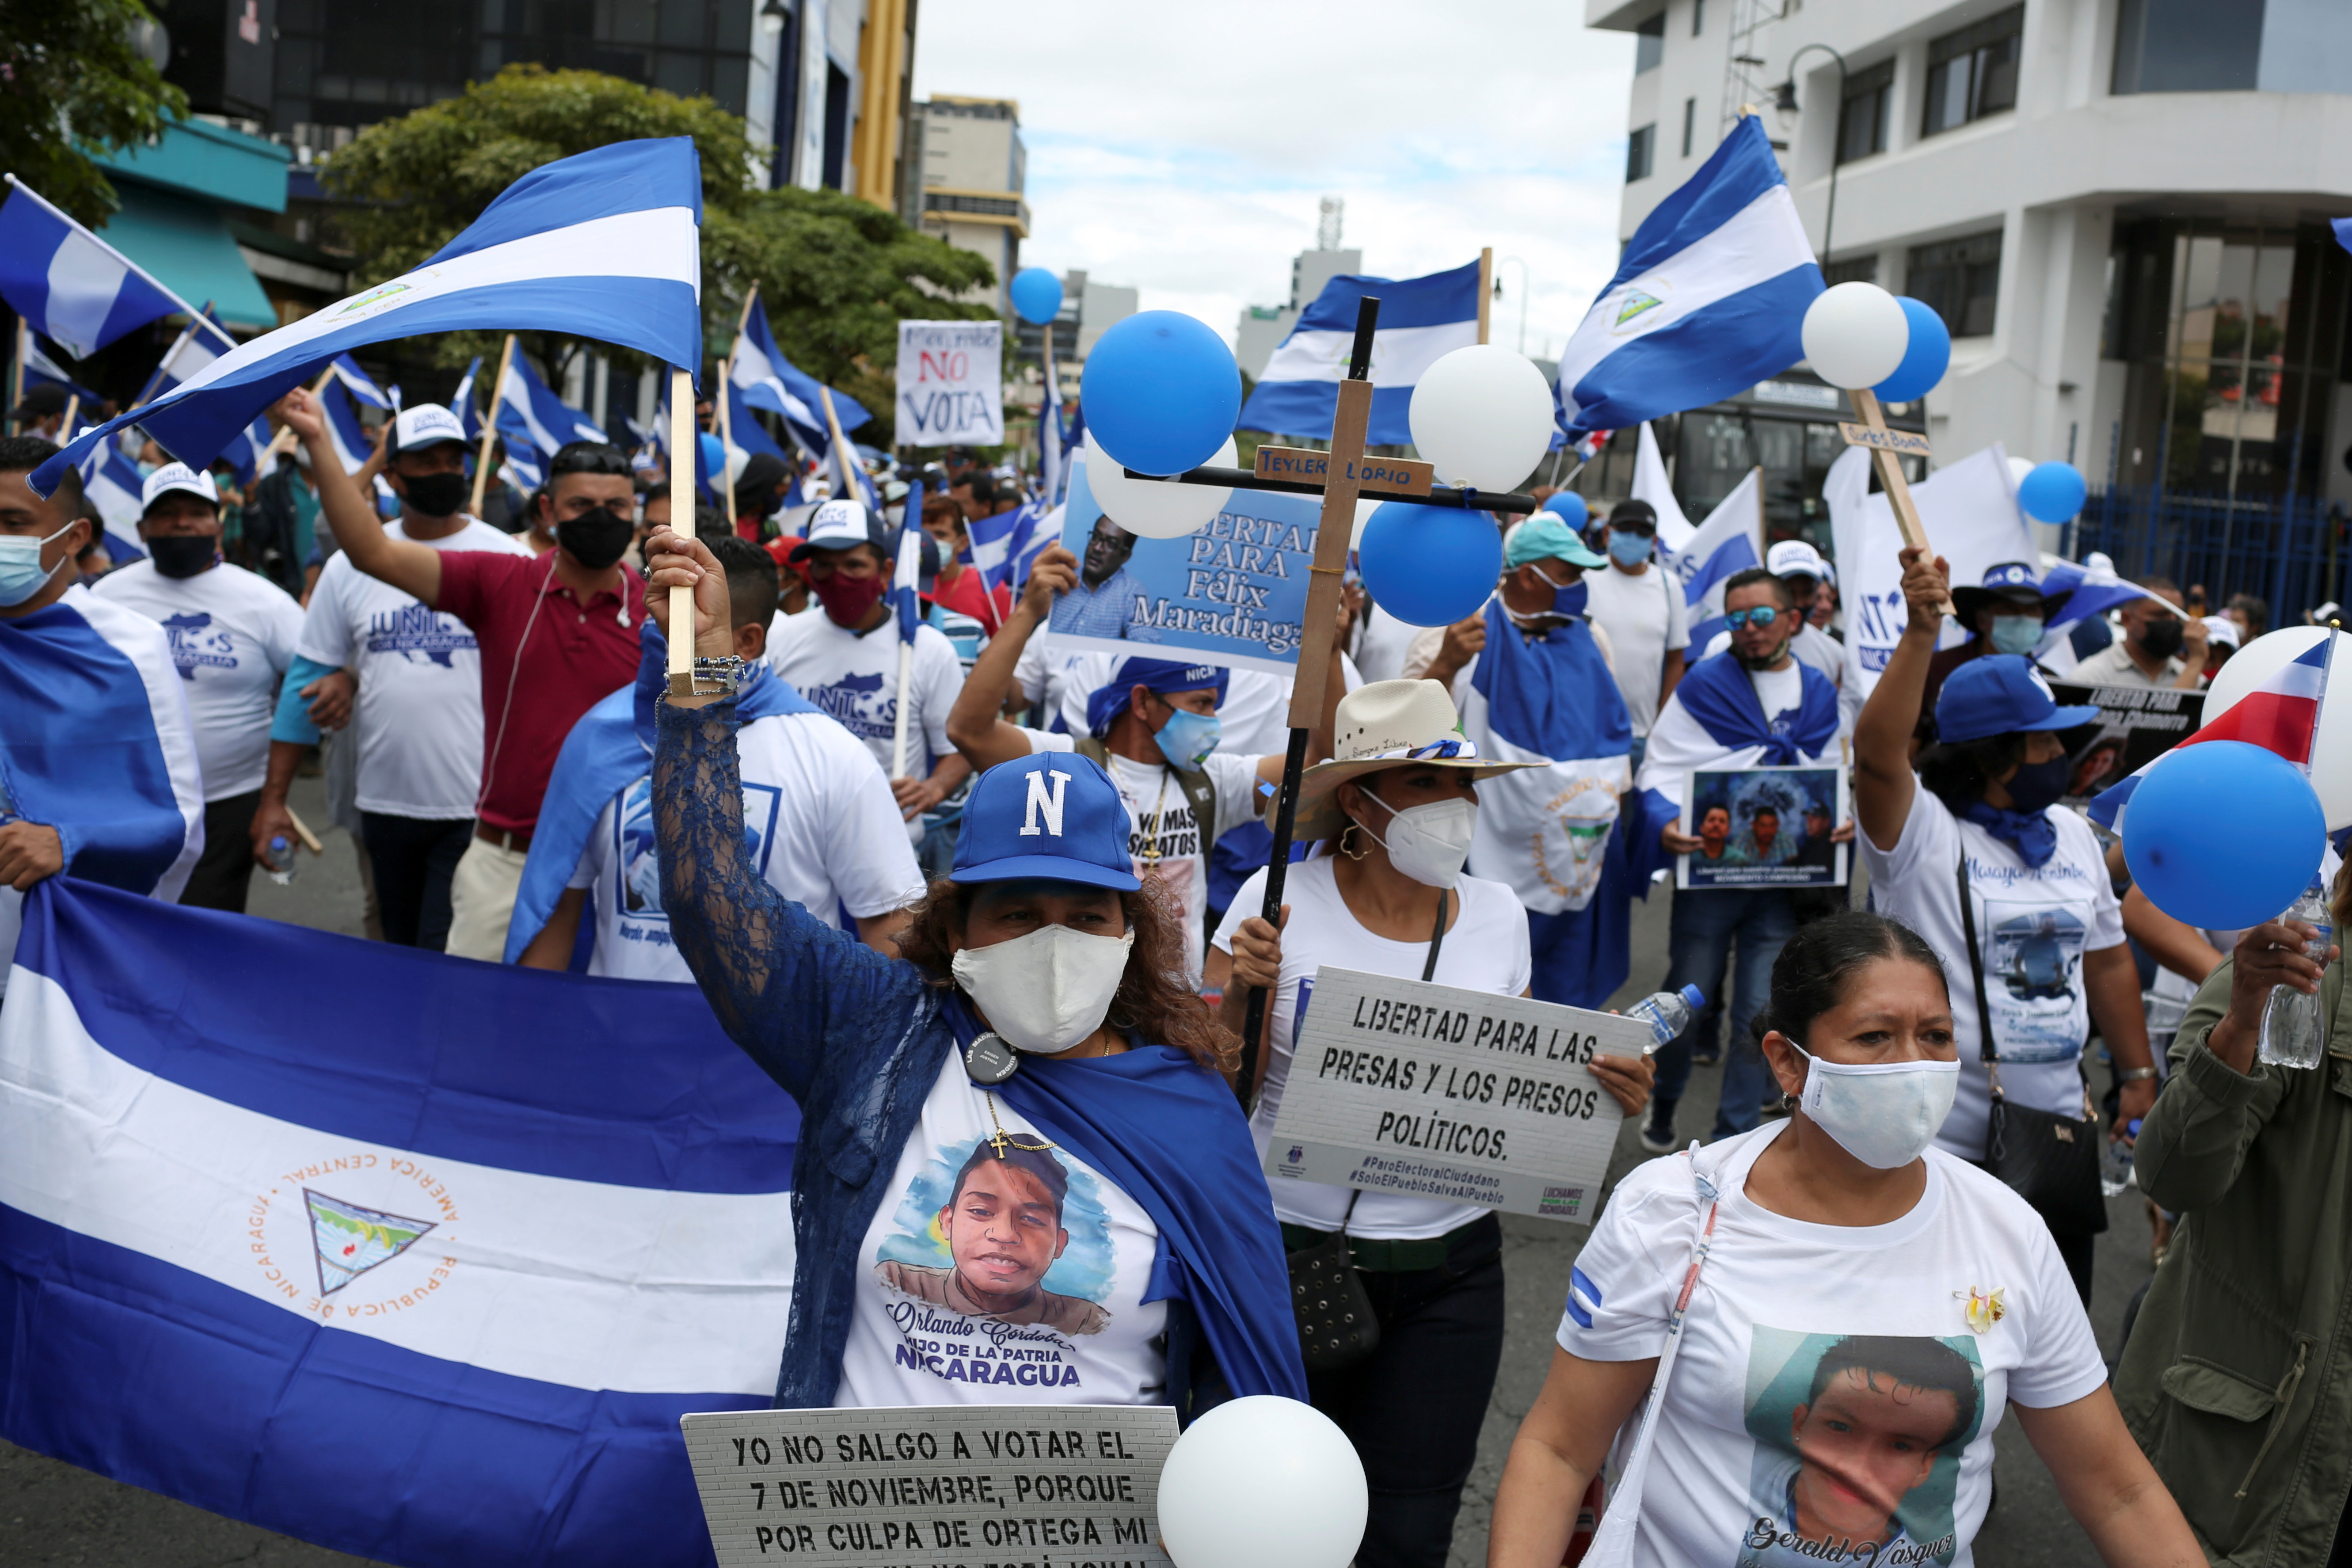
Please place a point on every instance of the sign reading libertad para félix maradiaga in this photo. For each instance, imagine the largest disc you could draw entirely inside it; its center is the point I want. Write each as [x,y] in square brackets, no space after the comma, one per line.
[1432,1091]
[958,1486]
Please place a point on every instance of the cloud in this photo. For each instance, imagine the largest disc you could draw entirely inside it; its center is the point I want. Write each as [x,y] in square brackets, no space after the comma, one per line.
[1182,150]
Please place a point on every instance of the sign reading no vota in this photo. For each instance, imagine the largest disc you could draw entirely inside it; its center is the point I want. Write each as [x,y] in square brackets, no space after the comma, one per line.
[1431,1091]
[950,383]
[967,1486]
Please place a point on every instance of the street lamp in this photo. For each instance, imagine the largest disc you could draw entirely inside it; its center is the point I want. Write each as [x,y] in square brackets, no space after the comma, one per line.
[773,17]
[1784,101]
[1523,296]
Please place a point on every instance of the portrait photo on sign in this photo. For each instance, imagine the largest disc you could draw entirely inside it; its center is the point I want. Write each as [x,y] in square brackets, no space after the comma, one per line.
[1014,1234]
[1858,1445]
[2136,725]
[1763,827]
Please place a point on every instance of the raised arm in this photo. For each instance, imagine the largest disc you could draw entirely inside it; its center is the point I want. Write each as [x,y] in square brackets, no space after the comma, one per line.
[1882,780]
[976,723]
[413,569]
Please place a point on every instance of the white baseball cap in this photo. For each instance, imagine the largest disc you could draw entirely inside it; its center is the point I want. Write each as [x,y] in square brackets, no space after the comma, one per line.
[845,525]
[422,425]
[1791,557]
[177,476]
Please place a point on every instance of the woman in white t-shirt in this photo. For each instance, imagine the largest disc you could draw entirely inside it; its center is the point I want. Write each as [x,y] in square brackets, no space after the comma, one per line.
[1835,1315]
[2041,928]
[1389,898]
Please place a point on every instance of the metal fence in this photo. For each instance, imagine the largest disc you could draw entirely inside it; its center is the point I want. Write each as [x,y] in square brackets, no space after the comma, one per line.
[2287,550]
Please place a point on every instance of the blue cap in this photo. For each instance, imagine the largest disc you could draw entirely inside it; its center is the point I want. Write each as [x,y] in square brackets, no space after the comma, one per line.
[2000,694]
[1547,536]
[1696,998]
[1159,675]
[1052,815]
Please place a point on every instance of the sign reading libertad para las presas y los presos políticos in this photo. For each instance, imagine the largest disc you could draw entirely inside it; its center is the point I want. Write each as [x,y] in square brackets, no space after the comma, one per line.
[969,1486]
[1431,1091]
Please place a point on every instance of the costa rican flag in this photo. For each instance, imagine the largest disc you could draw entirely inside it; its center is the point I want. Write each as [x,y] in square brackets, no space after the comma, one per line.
[2280,715]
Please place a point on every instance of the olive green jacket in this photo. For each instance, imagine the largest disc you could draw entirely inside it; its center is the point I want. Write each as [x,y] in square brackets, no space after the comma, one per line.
[2237,1378]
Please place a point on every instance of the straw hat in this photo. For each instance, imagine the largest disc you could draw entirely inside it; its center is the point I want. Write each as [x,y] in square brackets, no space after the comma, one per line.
[1388,724]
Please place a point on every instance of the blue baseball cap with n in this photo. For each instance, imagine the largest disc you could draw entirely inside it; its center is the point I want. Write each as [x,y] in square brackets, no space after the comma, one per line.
[1050,815]
[1157,674]
[2000,694]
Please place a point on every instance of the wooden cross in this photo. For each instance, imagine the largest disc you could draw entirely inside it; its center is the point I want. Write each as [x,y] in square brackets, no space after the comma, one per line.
[1887,450]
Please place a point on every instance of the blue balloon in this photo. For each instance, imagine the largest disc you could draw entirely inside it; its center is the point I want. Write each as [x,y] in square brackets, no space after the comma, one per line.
[714,459]
[1037,295]
[1429,565]
[1568,507]
[2054,493]
[1925,362]
[1160,393]
[2224,835]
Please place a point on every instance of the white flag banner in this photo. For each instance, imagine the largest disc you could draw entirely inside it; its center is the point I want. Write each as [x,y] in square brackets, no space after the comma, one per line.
[951,384]
[1649,484]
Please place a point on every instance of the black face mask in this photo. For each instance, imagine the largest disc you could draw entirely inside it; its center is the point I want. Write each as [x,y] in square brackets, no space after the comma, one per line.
[184,555]
[595,539]
[437,495]
[2161,639]
[2036,786]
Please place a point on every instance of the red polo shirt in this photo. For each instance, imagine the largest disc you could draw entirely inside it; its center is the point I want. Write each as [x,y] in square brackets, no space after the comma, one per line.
[547,659]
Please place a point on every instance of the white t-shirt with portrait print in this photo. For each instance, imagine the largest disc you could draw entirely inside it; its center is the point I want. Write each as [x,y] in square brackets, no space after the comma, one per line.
[1485,950]
[1000,1279]
[2034,926]
[1835,1384]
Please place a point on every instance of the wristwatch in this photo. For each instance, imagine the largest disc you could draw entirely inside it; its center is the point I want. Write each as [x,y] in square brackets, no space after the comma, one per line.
[2132,1075]
[717,677]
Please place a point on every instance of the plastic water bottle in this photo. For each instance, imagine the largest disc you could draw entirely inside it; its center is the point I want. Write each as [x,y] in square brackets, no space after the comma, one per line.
[1668,1014]
[281,860]
[2290,1034]
[2116,1162]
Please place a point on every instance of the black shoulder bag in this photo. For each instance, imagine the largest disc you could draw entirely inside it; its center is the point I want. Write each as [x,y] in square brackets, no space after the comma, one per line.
[1337,1326]
[2050,1161]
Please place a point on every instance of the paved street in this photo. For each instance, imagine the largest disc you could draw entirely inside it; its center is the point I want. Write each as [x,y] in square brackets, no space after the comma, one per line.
[53,1514]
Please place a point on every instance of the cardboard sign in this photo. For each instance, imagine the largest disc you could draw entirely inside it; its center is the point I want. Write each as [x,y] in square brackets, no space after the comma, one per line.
[950,383]
[1433,1092]
[1306,466]
[2136,725]
[1763,827]
[958,1486]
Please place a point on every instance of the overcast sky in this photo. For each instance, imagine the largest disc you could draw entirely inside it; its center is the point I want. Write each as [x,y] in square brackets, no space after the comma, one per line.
[1181,149]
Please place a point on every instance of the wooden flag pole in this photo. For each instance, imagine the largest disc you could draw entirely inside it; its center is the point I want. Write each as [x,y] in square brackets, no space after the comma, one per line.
[283,441]
[681,522]
[848,491]
[1887,450]
[17,371]
[73,408]
[490,428]
[1485,290]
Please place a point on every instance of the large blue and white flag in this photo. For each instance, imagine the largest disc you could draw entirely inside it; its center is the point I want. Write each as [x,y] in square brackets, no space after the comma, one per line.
[531,415]
[771,382]
[71,286]
[1709,298]
[1729,541]
[605,244]
[431,1287]
[743,427]
[1423,320]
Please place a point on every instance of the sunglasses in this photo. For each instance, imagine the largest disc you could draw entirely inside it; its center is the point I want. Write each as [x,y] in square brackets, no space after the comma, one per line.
[1763,615]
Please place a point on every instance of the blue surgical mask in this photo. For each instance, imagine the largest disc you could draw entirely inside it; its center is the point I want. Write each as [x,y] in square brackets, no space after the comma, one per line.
[1628,549]
[1568,601]
[1187,738]
[2016,633]
[21,572]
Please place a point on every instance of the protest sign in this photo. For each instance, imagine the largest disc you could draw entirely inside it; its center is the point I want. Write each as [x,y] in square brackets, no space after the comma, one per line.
[1763,827]
[1232,594]
[2137,724]
[1432,1091]
[950,383]
[959,1486]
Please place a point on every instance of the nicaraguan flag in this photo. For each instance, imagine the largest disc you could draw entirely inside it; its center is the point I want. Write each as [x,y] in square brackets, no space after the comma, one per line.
[113,485]
[1709,298]
[461,402]
[362,386]
[1003,545]
[71,286]
[906,581]
[432,1285]
[39,367]
[605,243]
[749,434]
[1713,552]
[1423,320]
[771,382]
[531,415]
[2279,715]
[201,341]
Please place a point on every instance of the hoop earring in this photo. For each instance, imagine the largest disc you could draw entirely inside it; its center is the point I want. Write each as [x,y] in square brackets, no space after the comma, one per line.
[1345,835]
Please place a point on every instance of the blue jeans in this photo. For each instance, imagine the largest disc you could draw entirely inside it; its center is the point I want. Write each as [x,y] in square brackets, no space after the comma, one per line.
[1705,926]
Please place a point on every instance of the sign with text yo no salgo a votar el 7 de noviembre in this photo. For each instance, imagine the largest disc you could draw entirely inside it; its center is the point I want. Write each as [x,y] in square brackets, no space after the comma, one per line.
[1465,1096]
[950,383]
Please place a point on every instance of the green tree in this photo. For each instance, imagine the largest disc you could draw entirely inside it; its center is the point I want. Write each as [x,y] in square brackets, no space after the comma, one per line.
[74,81]
[837,273]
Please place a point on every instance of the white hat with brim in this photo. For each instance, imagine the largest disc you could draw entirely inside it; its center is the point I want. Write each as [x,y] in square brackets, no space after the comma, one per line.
[1388,724]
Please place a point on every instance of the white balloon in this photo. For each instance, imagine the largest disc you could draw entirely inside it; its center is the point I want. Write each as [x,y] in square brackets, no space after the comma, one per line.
[2017,469]
[1483,415]
[2331,752]
[1364,509]
[1156,509]
[1263,1482]
[1855,335]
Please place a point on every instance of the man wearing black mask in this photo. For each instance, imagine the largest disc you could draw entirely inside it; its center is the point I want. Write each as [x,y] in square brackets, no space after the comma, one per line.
[558,633]
[2158,649]
[233,635]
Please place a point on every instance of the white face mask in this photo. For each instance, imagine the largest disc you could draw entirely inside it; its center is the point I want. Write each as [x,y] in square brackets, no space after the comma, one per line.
[1047,991]
[1885,1114]
[1428,843]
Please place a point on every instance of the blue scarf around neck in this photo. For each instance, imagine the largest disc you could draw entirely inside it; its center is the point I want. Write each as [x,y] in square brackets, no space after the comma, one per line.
[1719,694]
[2028,833]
